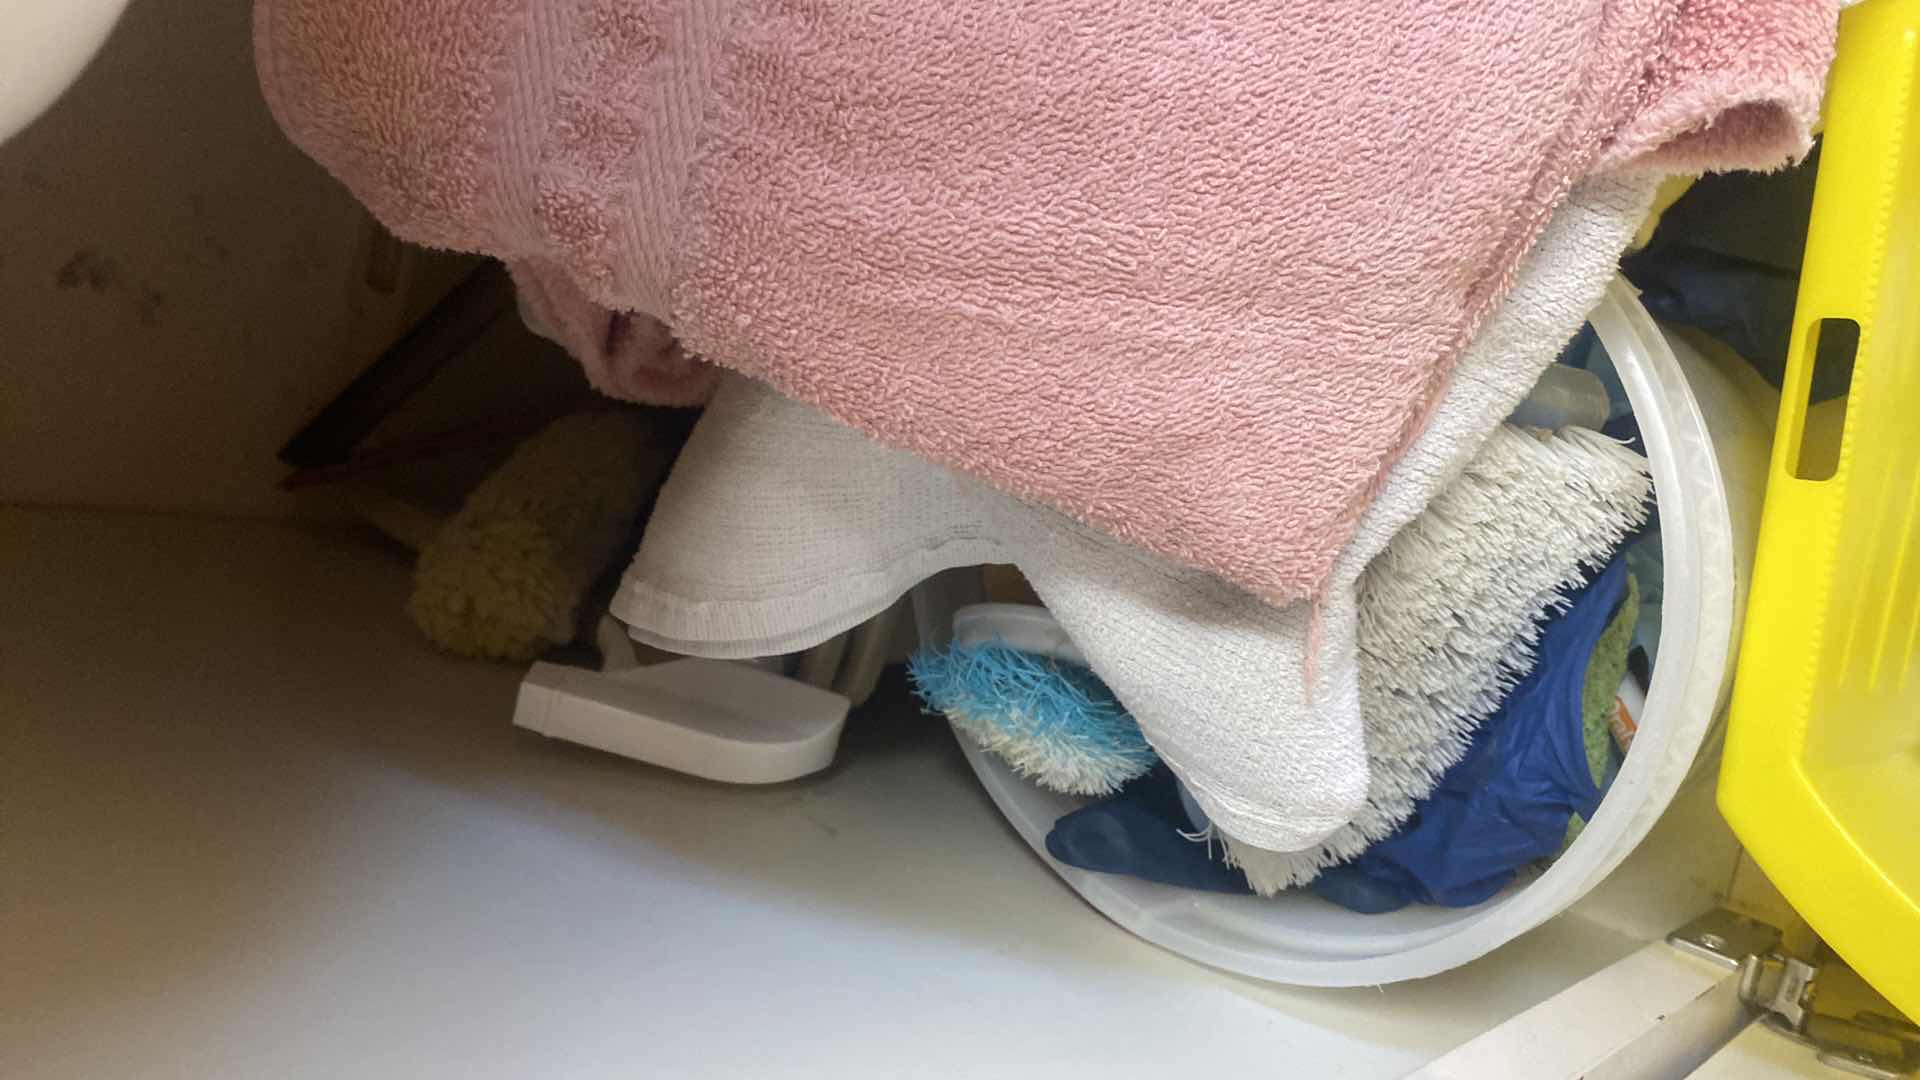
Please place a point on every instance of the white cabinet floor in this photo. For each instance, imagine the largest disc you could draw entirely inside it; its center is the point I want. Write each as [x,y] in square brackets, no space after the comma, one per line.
[252,825]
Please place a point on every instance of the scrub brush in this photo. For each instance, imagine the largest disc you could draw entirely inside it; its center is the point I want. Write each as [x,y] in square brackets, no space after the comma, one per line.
[505,576]
[1053,721]
[1450,616]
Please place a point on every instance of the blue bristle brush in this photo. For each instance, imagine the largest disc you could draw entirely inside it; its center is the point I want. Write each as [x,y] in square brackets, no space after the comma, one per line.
[1053,721]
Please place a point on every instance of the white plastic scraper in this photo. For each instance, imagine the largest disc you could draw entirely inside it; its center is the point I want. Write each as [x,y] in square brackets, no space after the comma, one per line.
[716,719]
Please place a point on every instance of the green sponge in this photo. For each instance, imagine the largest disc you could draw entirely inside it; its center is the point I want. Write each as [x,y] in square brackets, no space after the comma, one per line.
[1597,697]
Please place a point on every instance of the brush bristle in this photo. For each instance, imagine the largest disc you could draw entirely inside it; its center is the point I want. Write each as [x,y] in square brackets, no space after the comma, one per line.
[1451,614]
[1055,723]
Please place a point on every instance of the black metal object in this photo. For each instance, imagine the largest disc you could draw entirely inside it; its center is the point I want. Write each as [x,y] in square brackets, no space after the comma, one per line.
[441,334]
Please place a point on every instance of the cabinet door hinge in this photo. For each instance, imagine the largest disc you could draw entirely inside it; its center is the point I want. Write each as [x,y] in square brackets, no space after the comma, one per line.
[1783,992]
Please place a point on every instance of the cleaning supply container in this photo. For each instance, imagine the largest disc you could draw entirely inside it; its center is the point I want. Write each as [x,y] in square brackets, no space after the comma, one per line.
[1822,770]
[1707,439]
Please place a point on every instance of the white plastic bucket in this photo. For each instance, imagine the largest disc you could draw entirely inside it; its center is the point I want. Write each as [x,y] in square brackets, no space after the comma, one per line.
[1707,444]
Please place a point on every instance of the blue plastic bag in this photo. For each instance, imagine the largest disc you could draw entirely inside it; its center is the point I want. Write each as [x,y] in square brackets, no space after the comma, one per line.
[1140,833]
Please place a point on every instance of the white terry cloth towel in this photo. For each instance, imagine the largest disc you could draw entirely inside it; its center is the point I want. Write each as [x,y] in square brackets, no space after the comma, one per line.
[779,528]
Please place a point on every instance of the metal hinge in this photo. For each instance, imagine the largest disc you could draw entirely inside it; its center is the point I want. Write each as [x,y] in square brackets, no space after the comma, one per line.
[1780,989]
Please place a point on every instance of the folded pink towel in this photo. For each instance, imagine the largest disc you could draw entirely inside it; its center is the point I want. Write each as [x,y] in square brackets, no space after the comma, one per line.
[1193,273]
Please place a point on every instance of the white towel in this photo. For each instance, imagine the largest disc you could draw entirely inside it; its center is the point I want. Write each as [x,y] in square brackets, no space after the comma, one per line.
[779,528]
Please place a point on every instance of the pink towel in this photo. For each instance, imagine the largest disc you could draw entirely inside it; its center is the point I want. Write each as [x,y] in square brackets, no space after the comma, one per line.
[1192,273]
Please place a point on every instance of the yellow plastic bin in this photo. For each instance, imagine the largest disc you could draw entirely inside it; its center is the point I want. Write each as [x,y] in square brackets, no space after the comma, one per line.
[1821,778]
